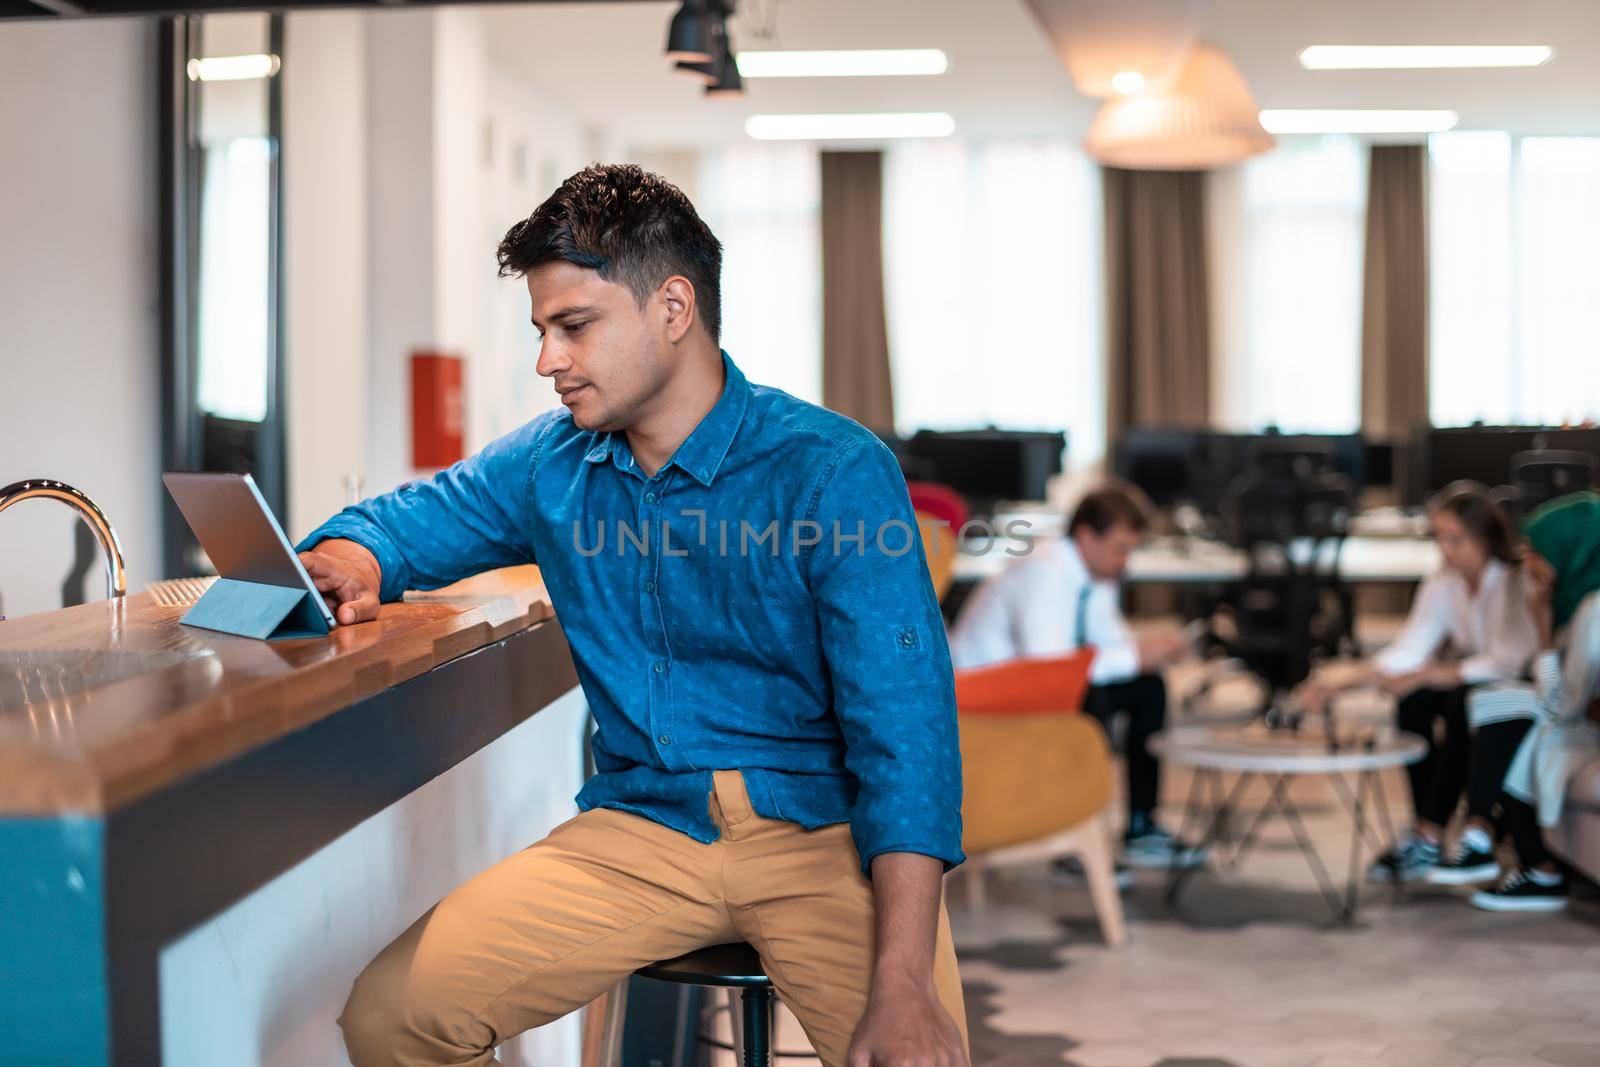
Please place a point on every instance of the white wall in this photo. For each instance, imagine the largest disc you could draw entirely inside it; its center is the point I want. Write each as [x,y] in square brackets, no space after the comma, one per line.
[79,297]
[457,151]
[262,984]
[325,259]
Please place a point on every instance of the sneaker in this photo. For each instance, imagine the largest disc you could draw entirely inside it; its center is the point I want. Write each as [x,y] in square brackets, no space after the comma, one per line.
[1524,890]
[1070,867]
[1468,863]
[1153,846]
[1409,861]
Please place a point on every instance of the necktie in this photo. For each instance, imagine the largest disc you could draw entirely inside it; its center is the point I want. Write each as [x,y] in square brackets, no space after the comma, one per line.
[1080,626]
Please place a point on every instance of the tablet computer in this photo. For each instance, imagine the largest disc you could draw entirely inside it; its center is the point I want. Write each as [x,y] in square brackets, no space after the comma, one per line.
[232,522]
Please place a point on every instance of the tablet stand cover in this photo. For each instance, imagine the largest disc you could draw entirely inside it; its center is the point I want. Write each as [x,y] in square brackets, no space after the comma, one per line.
[251,609]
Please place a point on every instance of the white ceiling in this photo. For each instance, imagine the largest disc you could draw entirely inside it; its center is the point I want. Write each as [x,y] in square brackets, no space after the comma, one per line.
[603,61]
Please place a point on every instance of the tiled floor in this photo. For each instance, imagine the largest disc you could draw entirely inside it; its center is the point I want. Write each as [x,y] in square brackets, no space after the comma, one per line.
[1249,970]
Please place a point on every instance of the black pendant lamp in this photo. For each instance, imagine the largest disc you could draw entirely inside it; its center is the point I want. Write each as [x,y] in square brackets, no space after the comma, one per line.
[690,36]
[727,84]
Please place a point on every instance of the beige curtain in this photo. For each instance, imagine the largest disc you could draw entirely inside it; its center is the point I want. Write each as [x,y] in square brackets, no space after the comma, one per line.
[1158,324]
[1394,309]
[855,336]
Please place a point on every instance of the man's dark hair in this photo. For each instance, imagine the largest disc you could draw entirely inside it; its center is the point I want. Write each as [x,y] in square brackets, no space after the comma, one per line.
[632,227]
[1108,506]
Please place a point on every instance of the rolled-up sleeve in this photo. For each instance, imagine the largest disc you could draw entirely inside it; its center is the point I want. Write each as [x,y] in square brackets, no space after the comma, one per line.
[470,517]
[884,642]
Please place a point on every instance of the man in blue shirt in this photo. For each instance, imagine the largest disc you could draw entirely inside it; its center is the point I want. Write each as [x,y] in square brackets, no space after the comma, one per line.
[741,581]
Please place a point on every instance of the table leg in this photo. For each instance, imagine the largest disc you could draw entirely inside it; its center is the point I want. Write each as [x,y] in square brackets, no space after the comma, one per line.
[1330,892]
[1177,874]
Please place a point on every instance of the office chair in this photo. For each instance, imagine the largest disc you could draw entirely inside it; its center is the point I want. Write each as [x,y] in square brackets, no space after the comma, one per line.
[1292,606]
[1545,474]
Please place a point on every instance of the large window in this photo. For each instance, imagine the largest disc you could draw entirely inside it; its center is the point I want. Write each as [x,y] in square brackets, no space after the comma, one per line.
[1287,233]
[763,202]
[992,283]
[1515,278]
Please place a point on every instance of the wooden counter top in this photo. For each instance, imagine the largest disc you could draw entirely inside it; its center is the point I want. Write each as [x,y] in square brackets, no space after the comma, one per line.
[105,703]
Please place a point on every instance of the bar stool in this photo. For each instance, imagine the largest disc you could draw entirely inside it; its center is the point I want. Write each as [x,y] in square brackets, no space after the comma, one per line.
[730,967]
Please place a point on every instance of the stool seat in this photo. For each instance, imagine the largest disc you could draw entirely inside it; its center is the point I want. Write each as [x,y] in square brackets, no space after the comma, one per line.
[736,965]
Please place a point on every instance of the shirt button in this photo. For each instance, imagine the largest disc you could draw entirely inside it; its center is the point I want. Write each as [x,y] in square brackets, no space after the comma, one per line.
[649,498]
[660,665]
[665,739]
[649,586]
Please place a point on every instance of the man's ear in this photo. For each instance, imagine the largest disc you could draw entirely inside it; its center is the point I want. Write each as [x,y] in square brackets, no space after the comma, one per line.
[677,294]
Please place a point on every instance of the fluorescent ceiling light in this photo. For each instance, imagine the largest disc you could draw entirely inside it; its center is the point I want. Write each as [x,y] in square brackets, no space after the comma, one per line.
[232,68]
[854,63]
[1356,120]
[849,127]
[1419,56]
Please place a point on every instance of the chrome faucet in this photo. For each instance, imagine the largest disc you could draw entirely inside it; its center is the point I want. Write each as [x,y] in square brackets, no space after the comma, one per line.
[89,511]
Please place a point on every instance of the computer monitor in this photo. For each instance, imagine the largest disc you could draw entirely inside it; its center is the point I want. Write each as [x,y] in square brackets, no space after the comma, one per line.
[1170,466]
[987,466]
[1484,453]
[1346,453]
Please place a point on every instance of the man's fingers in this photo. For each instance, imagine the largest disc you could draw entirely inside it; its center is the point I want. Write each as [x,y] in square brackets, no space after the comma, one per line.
[362,608]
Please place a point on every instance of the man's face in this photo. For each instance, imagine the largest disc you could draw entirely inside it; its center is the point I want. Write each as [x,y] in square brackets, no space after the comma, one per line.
[606,355]
[1106,555]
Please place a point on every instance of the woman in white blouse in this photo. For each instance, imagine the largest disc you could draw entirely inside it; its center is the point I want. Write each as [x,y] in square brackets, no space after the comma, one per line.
[1469,624]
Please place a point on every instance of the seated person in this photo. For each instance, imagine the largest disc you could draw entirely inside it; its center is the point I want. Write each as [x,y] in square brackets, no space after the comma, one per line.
[1562,707]
[775,730]
[1063,595]
[1474,607]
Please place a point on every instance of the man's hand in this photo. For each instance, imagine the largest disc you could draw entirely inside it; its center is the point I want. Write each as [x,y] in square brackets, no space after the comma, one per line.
[347,576]
[1162,648]
[905,1025]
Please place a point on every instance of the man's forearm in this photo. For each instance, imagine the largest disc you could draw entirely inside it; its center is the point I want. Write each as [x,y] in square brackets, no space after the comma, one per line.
[906,887]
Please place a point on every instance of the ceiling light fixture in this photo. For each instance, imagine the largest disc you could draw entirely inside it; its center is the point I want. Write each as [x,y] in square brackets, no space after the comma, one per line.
[1127,82]
[1422,56]
[233,68]
[1205,118]
[689,36]
[846,63]
[727,84]
[1098,39]
[847,127]
[1358,120]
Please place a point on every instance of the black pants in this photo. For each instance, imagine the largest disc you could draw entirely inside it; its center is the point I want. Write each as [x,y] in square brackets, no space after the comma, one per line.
[1144,700]
[1439,777]
[1493,748]
[1521,822]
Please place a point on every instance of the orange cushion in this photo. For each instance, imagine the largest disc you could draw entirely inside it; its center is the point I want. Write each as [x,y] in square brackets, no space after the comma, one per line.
[1027,684]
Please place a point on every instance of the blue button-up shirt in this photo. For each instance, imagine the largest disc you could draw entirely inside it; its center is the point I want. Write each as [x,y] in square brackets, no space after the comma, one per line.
[761,604]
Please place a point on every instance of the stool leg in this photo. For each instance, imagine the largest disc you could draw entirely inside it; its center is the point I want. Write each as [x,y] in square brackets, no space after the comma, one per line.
[611,1031]
[736,1008]
[758,1005]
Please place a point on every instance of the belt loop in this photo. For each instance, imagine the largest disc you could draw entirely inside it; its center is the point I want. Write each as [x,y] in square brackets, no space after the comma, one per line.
[733,799]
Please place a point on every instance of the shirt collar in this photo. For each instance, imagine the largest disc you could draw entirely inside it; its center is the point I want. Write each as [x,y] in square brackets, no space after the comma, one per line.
[701,453]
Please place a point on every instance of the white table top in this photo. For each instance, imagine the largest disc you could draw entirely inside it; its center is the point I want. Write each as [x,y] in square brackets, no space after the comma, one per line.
[1176,561]
[1255,748]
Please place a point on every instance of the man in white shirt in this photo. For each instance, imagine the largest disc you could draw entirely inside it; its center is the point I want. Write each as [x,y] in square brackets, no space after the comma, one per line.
[1063,595]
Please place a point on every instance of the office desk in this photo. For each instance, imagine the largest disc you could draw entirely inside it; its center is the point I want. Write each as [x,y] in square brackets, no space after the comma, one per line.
[1176,561]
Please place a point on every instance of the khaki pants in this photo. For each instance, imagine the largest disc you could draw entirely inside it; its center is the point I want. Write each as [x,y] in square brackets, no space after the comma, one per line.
[549,929]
